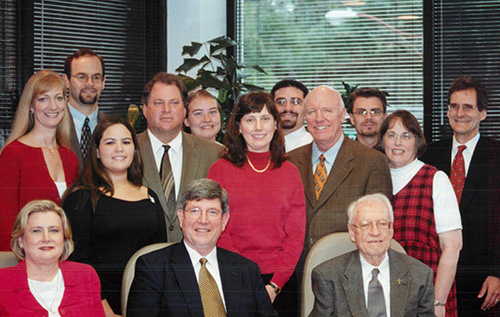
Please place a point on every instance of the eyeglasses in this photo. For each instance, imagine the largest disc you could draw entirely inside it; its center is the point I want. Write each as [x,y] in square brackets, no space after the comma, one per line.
[382,225]
[364,113]
[294,101]
[404,136]
[465,107]
[83,78]
[196,212]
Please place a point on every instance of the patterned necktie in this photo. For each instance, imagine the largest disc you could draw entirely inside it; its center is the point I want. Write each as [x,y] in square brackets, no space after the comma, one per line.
[85,138]
[457,175]
[320,176]
[209,291]
[376,301]
[167,181]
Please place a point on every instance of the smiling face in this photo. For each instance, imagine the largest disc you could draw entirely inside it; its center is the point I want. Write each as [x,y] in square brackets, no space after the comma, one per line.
[369,125]
[372,242]
[291,115]
[465,125]
[258,128]
[49,108]
[400,152]
[116,149]
[324,117]
[43,239]
[203,118]
[202,232]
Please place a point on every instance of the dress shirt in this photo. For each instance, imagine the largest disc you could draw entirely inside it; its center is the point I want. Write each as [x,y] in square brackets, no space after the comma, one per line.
[330,155]
[446,210]
[297,139]
[467,153]
[212,266]
[174,154]
[384,278]
[79,120]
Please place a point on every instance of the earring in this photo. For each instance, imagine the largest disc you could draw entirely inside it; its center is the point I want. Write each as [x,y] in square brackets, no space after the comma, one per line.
[32,111]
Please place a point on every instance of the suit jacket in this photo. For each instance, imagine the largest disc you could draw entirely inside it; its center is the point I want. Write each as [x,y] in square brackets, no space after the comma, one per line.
[82,296]
[74,143]
[357,171]
[198,155]
[480,212]
[338,287]
[165,285]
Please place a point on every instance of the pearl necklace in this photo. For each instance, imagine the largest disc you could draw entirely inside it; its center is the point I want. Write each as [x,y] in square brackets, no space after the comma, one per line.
[262,170]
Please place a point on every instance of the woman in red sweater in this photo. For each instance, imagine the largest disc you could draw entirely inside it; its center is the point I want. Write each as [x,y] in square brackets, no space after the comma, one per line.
[266,196]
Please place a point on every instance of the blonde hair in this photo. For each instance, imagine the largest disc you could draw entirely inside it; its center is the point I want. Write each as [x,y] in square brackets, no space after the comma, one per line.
[22,220]
[41,82]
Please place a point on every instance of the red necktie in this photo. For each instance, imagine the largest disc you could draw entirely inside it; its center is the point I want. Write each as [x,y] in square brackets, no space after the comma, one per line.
[457,175]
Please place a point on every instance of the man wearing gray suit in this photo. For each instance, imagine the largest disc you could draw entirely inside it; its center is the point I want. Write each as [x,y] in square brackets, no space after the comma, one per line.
[373,280]
[163,143]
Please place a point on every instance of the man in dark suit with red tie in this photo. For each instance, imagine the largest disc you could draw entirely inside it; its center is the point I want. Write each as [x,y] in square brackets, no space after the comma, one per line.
[472,162]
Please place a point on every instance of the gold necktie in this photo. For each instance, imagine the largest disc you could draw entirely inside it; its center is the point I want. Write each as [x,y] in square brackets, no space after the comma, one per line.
[209,291]
[320,176]
[167,181]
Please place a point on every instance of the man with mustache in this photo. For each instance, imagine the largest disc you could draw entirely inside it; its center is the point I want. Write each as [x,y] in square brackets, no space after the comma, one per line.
[84,77]
[367,111]
[288,97]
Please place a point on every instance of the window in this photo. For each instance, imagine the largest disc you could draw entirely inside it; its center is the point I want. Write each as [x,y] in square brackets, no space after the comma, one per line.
[318,42]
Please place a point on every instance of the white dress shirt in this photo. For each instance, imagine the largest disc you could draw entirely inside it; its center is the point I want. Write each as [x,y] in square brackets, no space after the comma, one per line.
[467,153]
[174,154]
[297,138]
[384,277]
[212,266]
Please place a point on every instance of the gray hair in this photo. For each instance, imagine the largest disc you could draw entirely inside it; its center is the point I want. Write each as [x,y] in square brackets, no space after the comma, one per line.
[377,197]
[204,188]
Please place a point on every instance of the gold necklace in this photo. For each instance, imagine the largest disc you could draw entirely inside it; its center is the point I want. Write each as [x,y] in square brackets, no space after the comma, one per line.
[262,170]
[52,149]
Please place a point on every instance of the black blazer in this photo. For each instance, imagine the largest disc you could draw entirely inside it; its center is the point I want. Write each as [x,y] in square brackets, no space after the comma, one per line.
[165,285]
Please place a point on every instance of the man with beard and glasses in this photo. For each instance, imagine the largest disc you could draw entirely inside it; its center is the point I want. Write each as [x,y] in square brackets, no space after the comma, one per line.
[367,110]
[84,77]
[288,97]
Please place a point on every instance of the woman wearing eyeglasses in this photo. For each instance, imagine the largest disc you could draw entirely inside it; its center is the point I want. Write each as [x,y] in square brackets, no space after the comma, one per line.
[426,216]
[36,162]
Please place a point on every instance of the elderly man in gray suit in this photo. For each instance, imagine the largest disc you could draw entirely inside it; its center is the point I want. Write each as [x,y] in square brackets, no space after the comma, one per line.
[373,280]
[171,157]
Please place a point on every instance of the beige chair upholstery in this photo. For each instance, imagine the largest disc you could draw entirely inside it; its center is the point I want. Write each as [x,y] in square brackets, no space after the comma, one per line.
[7,258]
[328,247]
[129,273]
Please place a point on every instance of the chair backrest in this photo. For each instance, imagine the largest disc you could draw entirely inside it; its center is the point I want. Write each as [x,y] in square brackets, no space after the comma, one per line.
[129,273]
[328,247]
[7,258]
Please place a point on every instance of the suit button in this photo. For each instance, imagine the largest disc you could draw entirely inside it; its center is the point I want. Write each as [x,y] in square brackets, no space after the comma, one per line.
[171,228]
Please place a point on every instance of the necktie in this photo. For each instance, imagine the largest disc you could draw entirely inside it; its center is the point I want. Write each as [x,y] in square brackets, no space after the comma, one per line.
[209,291]
[167,181]
[376,301]
[320,176]
[457,175]
[85,138]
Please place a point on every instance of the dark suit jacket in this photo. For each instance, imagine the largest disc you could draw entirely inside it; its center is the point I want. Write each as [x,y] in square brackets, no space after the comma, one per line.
[165,285]
[338,287]
[74,143]
[480,212]
[198,155]
[357,171]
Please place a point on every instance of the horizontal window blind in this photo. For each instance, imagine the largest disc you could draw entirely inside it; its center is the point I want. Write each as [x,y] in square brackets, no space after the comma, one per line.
[466,43]
[375,44]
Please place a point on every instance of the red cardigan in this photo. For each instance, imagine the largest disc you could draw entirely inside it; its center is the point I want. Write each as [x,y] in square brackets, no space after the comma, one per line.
[24,177]
[267,213]
[81,297]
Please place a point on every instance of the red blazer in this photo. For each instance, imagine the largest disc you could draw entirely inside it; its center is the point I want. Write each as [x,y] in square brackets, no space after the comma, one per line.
[24,177]
[82,294]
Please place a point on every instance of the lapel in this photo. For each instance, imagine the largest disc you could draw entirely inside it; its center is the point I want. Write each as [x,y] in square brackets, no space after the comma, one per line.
[231,282]
[190,160]
[304,164]
[186,278]
[478,169]
[74,143]
[400,284]
[352,282]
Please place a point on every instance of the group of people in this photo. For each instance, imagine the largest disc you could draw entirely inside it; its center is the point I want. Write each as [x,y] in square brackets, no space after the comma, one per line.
[285,186]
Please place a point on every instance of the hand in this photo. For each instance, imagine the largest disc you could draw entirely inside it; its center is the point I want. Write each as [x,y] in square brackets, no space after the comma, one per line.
[271,292]
[491,287]
[440,311]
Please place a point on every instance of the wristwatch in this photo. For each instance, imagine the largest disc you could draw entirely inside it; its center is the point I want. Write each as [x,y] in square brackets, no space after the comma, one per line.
[438,303]
[275,287]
